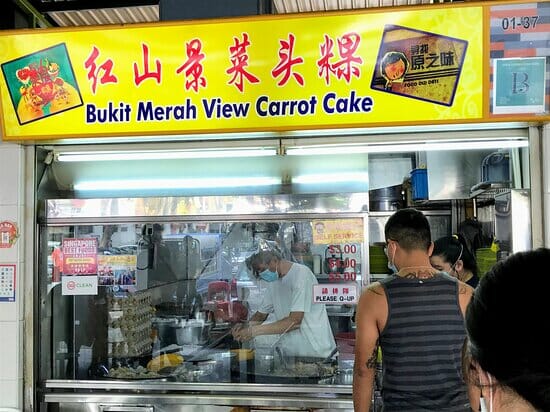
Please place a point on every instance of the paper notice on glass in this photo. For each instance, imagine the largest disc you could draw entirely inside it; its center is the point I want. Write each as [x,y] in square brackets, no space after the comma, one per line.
[78,285]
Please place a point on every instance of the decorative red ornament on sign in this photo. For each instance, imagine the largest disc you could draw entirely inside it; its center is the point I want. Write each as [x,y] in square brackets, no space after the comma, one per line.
[8,234]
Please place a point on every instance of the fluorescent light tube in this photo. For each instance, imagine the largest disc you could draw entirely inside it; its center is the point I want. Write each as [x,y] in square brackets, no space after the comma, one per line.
[335,177]
[405,147]
[163,154]
[144,184]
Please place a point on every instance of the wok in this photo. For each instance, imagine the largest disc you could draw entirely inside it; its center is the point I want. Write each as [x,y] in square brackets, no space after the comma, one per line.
[298,369]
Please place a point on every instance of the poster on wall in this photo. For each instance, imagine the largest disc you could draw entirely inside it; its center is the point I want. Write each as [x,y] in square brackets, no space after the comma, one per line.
[357,69]
[519,69]
[79,256]
[8,234]
[7,282]
[117,270]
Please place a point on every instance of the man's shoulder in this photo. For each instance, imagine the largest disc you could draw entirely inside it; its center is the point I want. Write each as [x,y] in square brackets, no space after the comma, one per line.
[299,268]
[373,292]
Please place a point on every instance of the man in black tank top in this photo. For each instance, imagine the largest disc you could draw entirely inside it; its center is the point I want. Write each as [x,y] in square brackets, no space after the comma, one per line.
[416,317]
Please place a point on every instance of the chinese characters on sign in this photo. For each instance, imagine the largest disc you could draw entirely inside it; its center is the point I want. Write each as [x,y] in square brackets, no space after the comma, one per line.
[346,65]
[336,294]
[313,71]
[418,64]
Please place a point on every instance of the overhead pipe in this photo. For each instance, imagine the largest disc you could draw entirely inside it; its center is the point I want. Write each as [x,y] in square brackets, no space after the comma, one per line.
[38,19]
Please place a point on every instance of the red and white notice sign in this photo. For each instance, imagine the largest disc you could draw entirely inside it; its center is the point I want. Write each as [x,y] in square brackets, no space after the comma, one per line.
[79,256]
[335,293]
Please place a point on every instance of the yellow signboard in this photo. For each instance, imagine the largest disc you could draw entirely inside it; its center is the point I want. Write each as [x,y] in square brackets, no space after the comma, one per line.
[268,73]
[338,231]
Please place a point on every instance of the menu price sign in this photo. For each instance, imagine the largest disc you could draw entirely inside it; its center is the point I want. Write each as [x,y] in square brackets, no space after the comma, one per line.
[7,283]
[79,256]
[335,293]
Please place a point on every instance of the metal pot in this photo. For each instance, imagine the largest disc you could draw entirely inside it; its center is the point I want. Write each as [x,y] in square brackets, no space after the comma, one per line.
[165,329]
[386,198]
[193,332]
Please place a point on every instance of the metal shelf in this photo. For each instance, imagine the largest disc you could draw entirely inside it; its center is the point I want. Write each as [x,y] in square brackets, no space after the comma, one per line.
[488,191]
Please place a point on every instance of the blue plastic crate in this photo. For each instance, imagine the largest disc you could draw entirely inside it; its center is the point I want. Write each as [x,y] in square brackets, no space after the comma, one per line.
[419,183]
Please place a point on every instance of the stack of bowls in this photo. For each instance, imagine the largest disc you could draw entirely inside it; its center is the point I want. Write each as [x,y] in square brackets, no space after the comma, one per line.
[378,261]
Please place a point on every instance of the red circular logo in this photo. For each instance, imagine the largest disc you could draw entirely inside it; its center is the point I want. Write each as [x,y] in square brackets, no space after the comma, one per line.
[71,284]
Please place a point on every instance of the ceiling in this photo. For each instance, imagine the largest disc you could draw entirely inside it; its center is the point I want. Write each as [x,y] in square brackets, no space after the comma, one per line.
[63,13]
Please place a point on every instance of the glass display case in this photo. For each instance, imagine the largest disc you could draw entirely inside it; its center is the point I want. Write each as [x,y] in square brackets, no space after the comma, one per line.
[142,293]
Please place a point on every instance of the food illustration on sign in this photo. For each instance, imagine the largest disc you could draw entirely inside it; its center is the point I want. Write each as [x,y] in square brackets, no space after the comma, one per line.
[42,84]
[419,64]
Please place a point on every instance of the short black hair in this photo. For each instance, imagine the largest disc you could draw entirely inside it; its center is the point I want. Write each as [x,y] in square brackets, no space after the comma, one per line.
[508,328]
[410,228]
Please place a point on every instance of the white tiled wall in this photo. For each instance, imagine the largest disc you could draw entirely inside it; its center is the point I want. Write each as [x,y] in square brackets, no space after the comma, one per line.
[11,313]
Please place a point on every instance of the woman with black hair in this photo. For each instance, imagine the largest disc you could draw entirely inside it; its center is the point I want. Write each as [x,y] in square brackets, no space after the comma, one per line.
[451,255]
[508,333]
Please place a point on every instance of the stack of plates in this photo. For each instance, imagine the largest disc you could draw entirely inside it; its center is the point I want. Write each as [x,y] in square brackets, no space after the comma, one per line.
[485,258]
[378,259]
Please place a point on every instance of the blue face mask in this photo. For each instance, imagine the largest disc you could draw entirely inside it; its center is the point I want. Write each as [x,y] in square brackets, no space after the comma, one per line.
[269,275]
[391,266]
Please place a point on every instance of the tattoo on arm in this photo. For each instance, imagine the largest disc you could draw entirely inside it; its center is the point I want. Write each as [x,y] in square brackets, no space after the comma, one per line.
[371,362]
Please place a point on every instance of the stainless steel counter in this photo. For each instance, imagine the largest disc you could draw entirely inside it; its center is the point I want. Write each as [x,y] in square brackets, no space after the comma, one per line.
[142,396]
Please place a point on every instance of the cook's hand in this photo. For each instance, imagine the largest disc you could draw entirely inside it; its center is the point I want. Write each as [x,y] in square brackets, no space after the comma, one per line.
[244,333]
[236,329]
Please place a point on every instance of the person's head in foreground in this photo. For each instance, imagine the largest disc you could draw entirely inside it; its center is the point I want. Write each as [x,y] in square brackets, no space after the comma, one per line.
[508,350]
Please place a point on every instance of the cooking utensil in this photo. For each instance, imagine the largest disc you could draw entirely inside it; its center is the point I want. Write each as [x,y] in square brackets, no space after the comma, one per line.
[281,335]
[200,355]
[282,358]
[386,198]
[303,370]
[329,359]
